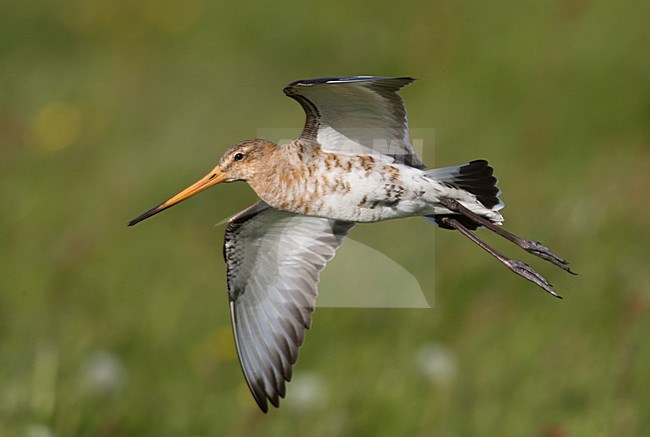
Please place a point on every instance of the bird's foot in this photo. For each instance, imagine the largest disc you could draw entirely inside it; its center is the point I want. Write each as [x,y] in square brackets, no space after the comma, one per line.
[543,252]
[525,271]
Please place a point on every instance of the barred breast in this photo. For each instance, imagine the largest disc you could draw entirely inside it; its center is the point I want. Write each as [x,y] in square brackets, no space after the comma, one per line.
[361,188]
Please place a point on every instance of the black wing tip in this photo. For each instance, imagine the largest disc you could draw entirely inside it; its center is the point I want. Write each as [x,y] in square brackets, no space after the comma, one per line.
[262,404]
[346,79]
[259,394]
[262,399]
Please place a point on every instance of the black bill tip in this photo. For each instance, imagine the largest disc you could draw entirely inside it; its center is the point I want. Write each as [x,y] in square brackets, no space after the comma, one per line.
[145,215]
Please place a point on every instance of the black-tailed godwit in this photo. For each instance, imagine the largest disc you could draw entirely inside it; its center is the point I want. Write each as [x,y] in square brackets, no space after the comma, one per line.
[352,163]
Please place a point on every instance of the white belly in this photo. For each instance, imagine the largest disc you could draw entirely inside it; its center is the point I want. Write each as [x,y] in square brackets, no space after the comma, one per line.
[360,188]
[378,196]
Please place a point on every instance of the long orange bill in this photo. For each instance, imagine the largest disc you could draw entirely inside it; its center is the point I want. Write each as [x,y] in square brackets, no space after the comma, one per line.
[212,178]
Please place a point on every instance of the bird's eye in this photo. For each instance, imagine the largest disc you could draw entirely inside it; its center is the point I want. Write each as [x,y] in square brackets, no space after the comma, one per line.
[239,156]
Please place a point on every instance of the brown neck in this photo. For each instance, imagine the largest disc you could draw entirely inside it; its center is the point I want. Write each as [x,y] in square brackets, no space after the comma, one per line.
[278,183]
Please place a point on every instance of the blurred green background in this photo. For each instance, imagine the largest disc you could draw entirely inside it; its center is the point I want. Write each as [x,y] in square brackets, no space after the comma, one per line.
[107,108]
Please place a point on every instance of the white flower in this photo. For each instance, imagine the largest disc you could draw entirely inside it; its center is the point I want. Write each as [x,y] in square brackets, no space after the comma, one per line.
[103,373]
[438,363]
[306,391]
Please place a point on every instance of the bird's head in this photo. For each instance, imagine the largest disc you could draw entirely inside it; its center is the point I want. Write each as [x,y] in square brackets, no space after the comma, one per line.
[240,163]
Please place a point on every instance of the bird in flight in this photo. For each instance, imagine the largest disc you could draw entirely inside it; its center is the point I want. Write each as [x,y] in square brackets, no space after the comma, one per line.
[353,162]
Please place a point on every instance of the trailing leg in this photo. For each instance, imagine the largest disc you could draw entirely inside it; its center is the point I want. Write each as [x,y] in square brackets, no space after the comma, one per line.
[517,267]
[532,247]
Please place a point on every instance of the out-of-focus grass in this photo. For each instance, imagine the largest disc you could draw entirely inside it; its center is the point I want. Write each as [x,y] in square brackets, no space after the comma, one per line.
[108,107]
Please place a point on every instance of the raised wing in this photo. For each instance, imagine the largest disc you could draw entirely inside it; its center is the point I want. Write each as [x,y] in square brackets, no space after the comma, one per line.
[273,262]
[359,114]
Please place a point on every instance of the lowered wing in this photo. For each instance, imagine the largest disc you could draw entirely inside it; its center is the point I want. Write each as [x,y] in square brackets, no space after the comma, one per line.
[273,262]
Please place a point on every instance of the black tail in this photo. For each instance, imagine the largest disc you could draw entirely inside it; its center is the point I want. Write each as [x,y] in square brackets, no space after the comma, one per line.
[475,177]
